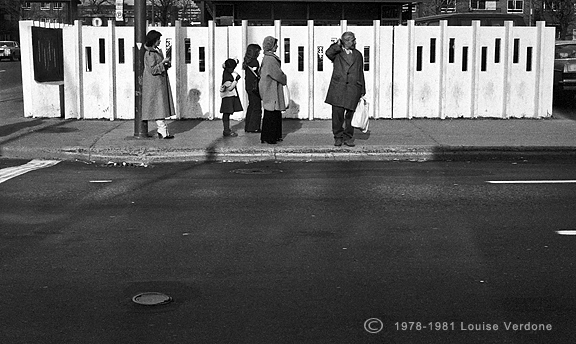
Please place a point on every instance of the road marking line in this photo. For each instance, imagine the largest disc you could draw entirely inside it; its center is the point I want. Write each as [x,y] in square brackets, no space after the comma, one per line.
[12,172]
[531,181]
[100,181]
[567,232]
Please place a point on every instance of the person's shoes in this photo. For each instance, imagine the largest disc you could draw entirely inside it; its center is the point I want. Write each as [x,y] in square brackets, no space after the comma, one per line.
[253,131]
[268,142]
[338,142]
[349,143]
[230,133]
[165,137]
[280,139]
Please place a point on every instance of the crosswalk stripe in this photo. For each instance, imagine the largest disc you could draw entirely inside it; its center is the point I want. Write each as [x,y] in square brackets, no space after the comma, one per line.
[12,172]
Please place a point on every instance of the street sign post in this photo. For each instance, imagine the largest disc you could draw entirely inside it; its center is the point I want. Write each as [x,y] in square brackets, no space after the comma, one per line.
[140,126]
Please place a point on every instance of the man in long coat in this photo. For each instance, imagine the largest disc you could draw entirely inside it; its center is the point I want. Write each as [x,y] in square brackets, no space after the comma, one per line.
[346,87]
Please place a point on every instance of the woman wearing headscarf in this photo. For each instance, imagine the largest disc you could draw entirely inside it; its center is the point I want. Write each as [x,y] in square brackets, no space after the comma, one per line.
[272,78]
[157,103]
[252,68]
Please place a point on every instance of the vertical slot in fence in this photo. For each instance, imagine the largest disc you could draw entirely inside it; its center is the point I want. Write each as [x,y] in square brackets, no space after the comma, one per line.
[366,58]
[529,59]
[88,59]
[516,58]
[484,61]
[451,50]
[102,50]
[286,50]
[464,59]
[419,58]
[121,53]
[187,51]
[202,59]
[300,59]
[432,50]
[497,47]
[320,58]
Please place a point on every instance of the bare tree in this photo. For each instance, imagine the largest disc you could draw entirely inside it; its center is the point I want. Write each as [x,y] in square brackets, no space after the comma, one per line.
[166,11]
[559,12]
[13,8]
[432,7]
[98,5]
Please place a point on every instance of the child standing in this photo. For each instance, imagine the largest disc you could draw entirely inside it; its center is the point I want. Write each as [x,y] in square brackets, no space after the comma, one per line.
[229,94]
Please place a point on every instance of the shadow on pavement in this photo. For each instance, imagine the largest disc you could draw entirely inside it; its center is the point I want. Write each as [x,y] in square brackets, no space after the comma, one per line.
[183,125]
[8,129]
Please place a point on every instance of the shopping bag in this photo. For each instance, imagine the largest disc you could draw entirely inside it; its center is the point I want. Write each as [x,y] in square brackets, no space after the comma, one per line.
[360,118]
[286,96]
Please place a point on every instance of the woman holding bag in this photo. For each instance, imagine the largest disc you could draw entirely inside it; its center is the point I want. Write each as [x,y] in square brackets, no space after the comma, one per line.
[272,80]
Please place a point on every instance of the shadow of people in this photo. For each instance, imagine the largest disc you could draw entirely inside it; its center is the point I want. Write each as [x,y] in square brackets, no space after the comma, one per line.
[290,121]
[192,107]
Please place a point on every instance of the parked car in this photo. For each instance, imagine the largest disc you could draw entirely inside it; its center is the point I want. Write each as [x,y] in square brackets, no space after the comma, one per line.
[9,50]
[565,68]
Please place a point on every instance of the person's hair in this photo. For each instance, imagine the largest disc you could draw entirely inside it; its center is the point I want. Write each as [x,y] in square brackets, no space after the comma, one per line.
[347,35]
[269,43]
[151,37]
[228,66]
[251,53]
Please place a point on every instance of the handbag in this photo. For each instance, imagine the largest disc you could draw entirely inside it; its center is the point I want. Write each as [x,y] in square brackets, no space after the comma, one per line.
[254,88]
[286,92]
[360,118]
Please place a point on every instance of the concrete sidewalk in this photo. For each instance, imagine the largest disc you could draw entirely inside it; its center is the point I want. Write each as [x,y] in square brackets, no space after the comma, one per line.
[201,140]
[198,140]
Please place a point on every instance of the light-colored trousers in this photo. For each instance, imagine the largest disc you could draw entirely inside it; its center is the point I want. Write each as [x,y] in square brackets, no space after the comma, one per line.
[162,127]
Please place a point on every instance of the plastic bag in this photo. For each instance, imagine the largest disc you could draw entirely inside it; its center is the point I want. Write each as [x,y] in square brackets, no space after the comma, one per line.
[360,118]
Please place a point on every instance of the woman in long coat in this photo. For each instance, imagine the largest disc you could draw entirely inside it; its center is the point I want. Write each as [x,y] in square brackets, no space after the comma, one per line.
[252,68]
[272,79]
[157,102]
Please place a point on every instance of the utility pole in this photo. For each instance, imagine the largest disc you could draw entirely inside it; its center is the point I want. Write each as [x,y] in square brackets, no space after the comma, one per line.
[140,126]
[530,14]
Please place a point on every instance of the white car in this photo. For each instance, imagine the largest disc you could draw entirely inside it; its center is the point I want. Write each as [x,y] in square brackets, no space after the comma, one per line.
[9,50]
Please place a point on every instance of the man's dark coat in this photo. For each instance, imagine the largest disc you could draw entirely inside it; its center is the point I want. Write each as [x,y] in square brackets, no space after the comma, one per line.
[347,84]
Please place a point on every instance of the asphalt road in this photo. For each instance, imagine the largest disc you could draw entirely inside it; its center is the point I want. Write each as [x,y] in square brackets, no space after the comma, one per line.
[289,253]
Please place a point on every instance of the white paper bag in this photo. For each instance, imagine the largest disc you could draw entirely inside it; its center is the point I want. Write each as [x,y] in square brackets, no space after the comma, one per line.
[360,118]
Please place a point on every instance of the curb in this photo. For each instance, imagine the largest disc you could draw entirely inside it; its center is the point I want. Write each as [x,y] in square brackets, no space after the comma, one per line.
[302,154]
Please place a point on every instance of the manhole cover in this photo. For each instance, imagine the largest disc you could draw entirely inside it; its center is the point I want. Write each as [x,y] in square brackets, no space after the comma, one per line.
[152,299]
[253,171]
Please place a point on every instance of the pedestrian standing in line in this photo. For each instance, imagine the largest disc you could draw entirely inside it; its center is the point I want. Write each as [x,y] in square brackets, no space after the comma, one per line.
[272,79]
[252,67]
[229,93]
[346,87]
[157,102]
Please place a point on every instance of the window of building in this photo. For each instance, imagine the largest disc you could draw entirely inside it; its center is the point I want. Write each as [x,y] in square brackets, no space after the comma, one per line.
[483,4]
[448,6]
[27,5]
[57,5]
[44,5]
[515,6]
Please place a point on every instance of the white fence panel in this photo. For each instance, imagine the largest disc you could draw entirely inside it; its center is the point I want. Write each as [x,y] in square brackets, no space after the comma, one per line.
[194,90]
[294,43]
[382,97]
[491,72]
[457,72]
[427,76]
[411,72]
[96,74]
[124,72]
[365,44]
[323,37]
